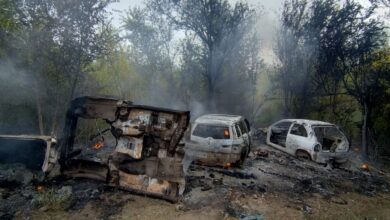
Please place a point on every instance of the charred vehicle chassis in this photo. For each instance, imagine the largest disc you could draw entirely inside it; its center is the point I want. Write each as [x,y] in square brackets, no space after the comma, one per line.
[146,158]
[138,151]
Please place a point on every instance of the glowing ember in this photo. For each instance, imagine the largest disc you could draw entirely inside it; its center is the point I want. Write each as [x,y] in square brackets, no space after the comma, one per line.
[364,166]
[39,188]
[227,166]
[226,133]
[98,145]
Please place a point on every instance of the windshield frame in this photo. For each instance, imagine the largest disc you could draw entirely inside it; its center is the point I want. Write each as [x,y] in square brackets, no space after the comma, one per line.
[223,126]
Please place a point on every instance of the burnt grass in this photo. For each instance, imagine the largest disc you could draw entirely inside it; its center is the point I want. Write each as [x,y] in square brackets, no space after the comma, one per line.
[309,177]
[21,201]
[278,173]
[306,177]
[271,172]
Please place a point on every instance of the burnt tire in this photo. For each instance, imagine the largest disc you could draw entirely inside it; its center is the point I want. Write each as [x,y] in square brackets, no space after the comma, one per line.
[243,155]
[303,155]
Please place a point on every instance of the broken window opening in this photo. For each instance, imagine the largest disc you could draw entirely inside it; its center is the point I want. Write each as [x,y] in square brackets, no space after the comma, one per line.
[330,137]
[243,127]
[238,130]
[213,131]
[298,129]
[93,139]
[279,133]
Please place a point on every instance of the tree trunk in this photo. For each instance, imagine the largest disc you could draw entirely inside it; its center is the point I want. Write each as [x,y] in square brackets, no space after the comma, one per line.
[210,95]
[364,147]
[54,119]
[74,85]
[211,86]
[39,112]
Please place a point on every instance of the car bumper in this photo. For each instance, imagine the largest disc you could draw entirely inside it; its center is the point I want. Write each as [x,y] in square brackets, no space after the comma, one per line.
[325,157]
[211,158]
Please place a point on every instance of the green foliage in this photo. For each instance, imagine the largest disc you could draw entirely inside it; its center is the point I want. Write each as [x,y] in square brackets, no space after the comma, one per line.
[115,75]
[330,65]
[55,199]
[200,55]
[220,48]
[48,44]
[10,24]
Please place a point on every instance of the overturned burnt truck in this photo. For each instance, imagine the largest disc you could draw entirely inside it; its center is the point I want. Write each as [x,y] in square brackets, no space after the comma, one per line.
[133,147]
[141,154]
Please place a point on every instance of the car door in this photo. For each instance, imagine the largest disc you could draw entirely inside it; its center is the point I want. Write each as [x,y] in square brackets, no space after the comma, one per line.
[297,138]
[250,133]
[245,133]
[36,153]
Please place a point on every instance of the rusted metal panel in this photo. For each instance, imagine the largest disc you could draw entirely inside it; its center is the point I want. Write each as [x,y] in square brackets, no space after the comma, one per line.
[148,184]
[212,158]
[146,157]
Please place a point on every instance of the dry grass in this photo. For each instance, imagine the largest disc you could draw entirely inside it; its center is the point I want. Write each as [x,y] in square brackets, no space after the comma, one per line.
[357,207]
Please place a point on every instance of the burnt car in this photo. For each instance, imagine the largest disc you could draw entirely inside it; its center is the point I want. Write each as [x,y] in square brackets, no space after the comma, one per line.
[219,140]
[133,147]
[319,141]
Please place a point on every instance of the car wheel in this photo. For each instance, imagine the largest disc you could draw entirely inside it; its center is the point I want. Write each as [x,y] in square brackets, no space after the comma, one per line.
[301,154]
[243,155]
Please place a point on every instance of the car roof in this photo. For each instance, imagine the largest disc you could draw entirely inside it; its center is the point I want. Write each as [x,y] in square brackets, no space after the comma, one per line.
[223,119]
[306,121]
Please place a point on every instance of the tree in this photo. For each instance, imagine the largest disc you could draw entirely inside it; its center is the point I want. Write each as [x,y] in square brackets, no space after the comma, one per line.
[219,29]
[9,24]
[326,51]
[52,42]
[79,41]
[151,52]
[295,58]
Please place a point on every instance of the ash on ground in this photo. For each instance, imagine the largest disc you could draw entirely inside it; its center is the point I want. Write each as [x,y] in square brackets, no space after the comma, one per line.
[266,171]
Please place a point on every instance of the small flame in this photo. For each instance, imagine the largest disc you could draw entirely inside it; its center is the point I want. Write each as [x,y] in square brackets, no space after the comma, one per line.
[226,133]
[227,165]
[364,166]
[98,145]
[39,188]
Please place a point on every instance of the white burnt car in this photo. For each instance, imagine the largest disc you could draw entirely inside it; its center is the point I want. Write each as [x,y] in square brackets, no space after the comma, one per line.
[219,140]
[319,141]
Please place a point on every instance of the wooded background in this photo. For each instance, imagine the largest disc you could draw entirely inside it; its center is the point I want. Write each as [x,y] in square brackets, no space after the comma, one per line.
[332,62]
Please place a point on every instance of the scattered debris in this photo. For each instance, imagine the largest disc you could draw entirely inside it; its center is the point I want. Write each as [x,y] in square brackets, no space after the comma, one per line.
[260,153]
[238,192]
[307,209]
[235,173]
[52,198]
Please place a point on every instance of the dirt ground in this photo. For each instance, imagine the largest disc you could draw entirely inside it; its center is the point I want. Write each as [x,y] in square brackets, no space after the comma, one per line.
[270,185]
[271,206]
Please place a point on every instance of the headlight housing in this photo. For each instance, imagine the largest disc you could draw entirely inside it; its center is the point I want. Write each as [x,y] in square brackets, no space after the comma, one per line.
[317,147]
